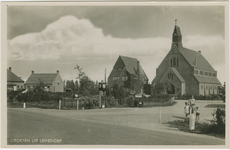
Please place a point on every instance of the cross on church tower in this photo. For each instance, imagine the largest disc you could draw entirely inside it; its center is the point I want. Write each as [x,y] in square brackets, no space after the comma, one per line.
[175,21]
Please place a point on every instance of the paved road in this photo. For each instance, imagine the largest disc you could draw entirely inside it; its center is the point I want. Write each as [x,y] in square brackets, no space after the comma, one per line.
[24,128]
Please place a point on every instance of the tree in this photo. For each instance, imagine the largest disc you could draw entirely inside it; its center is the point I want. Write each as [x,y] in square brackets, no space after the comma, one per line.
[87,86]
[157,89]
[70,84]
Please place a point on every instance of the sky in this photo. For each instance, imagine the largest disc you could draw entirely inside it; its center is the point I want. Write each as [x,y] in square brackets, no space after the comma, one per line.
[50,38]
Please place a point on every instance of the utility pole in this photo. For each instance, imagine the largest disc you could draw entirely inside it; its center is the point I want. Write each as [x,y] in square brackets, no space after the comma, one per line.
[105,75]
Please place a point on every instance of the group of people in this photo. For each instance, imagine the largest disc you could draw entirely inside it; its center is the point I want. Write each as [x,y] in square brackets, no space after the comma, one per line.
[191,108]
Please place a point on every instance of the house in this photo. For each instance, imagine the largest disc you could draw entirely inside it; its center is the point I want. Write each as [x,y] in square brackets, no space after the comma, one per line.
[185,71]
[13,81]
[127,73]
[52,81]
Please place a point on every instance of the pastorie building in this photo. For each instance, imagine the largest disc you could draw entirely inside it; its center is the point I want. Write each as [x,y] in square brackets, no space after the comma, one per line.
[52,81]
[13,81]
[127,73]
[185,71]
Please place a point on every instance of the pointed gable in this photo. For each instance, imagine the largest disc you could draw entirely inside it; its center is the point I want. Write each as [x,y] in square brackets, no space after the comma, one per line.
[11,77]
[47,79]
[119,63]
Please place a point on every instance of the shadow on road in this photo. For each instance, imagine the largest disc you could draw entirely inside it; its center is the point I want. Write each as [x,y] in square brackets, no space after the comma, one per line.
[179,117]
[215,105]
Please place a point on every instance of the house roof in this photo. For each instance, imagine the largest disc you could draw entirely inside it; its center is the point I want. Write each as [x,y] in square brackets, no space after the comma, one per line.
[11,77]
[131,65]
[207,79]
[46,78]
[196,59]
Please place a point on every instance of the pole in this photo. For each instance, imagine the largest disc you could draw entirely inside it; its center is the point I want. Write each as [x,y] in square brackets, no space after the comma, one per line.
[77,104]
[59,104]
[160,115]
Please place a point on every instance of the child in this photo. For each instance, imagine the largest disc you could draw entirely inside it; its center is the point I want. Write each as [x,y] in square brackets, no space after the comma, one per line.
[197,113]
[186,109]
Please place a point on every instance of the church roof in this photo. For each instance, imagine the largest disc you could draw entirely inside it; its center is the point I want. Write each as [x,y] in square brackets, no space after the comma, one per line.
[11,77]
[177,30]
[206,79]
[46,78]
[196,59]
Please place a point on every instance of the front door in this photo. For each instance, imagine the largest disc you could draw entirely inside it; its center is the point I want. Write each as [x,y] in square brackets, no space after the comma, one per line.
[170,89]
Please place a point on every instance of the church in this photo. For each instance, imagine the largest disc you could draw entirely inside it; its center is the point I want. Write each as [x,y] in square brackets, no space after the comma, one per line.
[185,71]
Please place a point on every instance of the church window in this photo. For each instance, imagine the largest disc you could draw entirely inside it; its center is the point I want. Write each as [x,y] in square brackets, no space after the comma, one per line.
[214,75]
[174,61]
[171,62]
[201,72]
[177,62]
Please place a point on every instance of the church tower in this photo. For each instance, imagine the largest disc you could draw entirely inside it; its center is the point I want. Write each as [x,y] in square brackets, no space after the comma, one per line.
[176,36]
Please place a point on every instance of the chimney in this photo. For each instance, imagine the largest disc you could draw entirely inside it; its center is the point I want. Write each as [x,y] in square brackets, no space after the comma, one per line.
[199,51]
[32,72]
[10,68]
[57,71]
[138,70]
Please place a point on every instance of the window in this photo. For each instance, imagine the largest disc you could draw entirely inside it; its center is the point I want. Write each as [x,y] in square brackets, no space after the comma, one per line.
[115,78]
[124,78]
[171,62]
[206,73]
[210,74]
[201,72]
[170,75]
[196,71]
[211,87]
[174,61]
[214,75]
[177,62]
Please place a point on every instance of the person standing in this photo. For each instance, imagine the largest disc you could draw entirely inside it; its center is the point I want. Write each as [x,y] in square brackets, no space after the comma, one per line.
[197,114]
[192,113]
[186,109]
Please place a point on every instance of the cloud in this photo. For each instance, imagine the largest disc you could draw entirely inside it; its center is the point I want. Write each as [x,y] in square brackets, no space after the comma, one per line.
[212,47]
[70,36]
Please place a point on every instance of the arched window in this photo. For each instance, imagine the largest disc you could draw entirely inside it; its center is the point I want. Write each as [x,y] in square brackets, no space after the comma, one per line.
[174,61]
[177,62]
